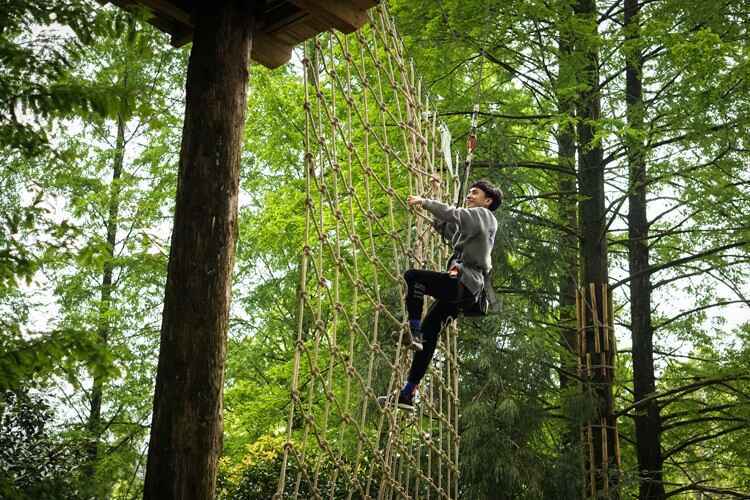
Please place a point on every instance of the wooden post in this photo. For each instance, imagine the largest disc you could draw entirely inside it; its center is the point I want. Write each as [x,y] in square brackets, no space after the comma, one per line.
[186,430]
[596,370]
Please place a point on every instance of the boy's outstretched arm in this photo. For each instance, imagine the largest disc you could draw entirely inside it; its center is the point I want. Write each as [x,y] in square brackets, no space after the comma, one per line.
[468,220]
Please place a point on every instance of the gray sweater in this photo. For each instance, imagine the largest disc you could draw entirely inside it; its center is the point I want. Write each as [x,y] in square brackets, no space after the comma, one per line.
[471,232]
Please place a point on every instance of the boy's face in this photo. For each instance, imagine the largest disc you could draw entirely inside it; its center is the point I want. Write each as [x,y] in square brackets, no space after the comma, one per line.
[477,198]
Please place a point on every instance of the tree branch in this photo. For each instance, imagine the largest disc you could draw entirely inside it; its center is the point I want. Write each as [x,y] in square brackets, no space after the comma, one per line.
[707,489]
[666,265]
[679,391]
[700,439]
[497,115]
[696,309]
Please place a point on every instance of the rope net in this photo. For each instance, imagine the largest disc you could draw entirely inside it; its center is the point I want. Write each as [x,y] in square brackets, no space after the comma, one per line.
[371,139]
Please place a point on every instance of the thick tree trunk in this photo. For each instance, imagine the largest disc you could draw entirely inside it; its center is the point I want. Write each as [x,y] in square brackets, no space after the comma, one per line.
[186,429]
[602,467]
[647,419]
[590,155]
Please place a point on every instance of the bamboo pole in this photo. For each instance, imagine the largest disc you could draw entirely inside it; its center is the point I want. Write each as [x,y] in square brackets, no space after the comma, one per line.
[595,318]
[605,455]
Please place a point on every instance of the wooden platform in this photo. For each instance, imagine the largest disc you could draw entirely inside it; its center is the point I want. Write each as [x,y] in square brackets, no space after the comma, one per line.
[283,24]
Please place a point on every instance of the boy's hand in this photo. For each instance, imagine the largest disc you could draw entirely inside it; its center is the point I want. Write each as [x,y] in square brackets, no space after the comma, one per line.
[412,200]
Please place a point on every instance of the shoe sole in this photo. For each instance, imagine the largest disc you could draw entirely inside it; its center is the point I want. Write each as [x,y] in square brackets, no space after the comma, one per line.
[406,342]
[400,406]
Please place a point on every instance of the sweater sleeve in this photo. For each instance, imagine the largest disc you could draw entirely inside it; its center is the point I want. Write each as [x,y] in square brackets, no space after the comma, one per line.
[445,229]
[468,220]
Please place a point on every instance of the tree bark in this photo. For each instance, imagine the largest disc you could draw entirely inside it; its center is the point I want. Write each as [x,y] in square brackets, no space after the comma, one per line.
[602,477]
[186,430]
[647,419]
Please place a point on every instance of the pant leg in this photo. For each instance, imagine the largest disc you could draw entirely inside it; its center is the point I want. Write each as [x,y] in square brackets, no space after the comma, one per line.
[420,283]
[437,317]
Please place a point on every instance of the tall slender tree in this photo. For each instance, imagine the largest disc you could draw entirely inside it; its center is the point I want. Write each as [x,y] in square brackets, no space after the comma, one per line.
[105,285]
[567,190]
[94,424]
[602,464]
[647,419]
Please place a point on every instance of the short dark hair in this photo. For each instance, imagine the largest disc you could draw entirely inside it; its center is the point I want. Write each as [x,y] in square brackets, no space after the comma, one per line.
[490,191]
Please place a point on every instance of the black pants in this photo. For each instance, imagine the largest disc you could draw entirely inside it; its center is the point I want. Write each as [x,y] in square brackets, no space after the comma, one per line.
[451,299]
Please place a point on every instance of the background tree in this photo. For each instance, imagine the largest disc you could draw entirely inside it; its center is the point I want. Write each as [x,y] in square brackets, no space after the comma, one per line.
[118,194]
[647,420]
[84,336]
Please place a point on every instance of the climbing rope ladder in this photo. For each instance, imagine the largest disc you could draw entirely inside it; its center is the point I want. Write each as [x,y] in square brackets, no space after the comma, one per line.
[371,138]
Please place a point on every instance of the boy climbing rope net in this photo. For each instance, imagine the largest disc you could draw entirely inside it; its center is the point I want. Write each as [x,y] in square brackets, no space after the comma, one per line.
[465,287]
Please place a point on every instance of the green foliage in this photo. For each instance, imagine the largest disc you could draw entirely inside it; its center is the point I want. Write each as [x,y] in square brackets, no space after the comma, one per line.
[22,361]
[509,442]
[69,76]
[257,475]
[118,192]
[92,338]
[35,462]
[39,41]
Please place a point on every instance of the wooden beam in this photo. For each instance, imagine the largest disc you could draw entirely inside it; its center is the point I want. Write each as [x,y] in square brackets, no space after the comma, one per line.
[160,9]
[340,14]
[365,4]
[281,16]
[269,51]
[283,25]
[165,16]
[180,38]
[170,10]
